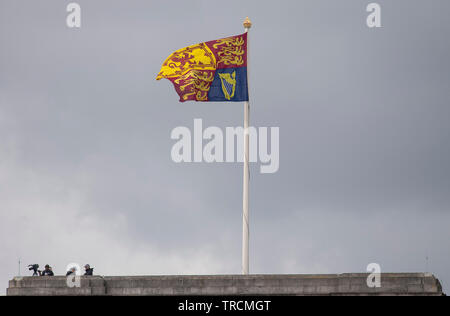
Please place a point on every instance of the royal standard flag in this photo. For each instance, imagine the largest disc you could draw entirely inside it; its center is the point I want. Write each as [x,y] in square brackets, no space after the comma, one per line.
[210,71]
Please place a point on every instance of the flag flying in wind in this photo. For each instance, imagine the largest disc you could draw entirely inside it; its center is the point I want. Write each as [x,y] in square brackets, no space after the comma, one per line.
[210,71]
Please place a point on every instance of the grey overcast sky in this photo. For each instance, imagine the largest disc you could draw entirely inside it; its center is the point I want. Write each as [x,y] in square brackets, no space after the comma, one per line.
[86,174]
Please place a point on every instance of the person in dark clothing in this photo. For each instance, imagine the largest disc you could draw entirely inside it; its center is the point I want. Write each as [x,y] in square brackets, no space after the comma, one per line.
[71,271]
[89,270]
[47,271]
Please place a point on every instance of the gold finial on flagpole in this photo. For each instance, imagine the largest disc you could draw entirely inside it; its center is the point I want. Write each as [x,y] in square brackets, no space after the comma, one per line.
[247,23]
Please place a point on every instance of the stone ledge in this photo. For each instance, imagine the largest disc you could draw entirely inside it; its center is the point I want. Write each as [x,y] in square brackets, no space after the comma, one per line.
[262,284]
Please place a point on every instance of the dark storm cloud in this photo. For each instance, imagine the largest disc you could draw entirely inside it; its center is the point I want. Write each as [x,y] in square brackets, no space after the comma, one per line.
[364,139]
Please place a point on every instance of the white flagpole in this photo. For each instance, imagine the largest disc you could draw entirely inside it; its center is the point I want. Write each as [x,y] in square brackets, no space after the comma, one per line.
[245,217]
